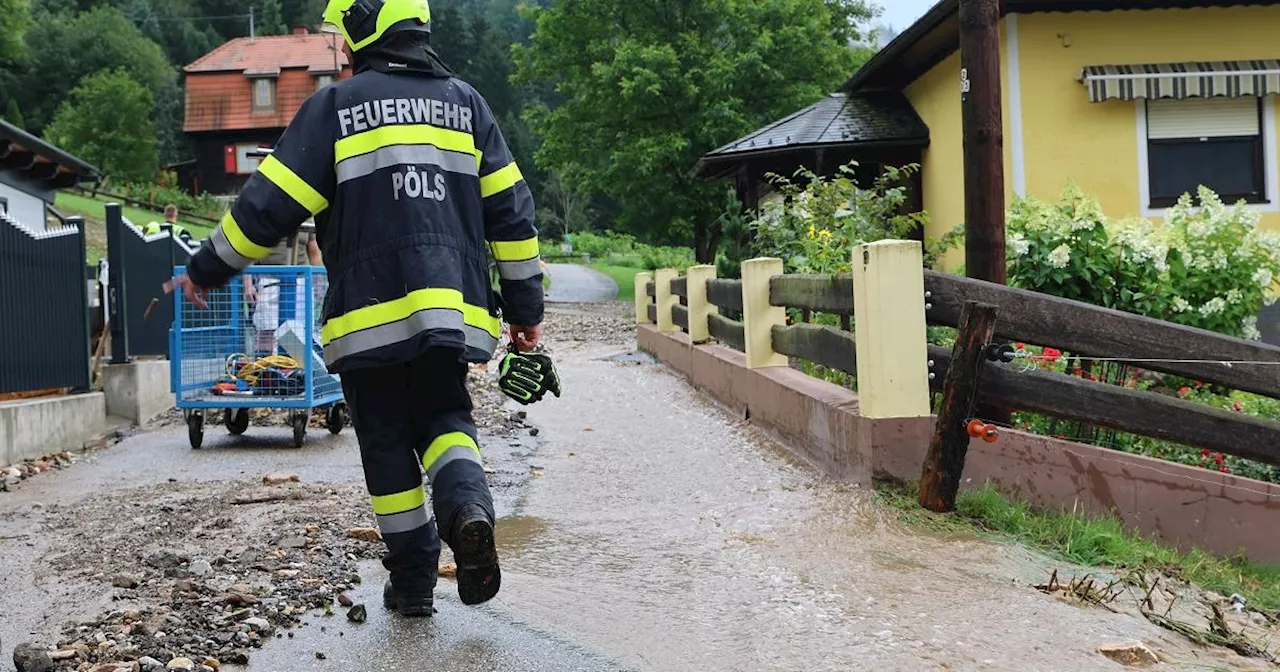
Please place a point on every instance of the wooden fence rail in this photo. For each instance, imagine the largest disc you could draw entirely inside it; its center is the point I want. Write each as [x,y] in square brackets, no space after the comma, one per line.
[727,331]
[826,346]
[680,316]
[1087,330]
[680,287]
[821,293]
[725,294]
[1134,411]
[1080,328]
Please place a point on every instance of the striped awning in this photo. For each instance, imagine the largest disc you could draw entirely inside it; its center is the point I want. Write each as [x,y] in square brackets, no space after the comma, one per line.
[1231,79]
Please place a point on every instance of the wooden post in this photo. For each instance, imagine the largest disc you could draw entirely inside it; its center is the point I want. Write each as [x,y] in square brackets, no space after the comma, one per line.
[984,249]
[664,299]
[758,316]
[699,308]
[889,329]
[944,464]
[642,297]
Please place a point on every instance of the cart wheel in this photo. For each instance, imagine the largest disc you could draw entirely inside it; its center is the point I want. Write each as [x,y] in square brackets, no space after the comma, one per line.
[236,420]
[336,418]
[299,429]
[195,429]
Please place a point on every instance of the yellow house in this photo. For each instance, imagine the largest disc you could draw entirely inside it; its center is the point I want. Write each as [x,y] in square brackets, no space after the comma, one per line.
[1135,101]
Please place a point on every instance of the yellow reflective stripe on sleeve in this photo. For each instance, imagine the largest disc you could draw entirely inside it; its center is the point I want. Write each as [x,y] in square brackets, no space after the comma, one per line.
[240,242]
[514,250]
[411,134]
[393,311]
[443,443]
[500,180]
[296,187]
[385,505]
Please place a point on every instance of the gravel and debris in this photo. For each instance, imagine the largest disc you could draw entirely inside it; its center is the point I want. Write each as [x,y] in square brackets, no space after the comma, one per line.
[14,474]
[200,574]
[207,571]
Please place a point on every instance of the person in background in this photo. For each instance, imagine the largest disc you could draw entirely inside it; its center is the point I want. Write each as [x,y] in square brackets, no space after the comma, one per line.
[270,308]
[170,219]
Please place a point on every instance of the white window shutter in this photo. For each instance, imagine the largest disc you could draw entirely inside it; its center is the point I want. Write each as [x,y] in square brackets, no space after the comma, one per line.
[1202,118]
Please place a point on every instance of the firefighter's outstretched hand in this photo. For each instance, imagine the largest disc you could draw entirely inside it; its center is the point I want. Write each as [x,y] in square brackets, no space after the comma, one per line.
[193,293]
[526,338]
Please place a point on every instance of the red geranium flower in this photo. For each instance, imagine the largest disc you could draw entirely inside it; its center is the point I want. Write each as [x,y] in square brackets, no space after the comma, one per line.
[1020,346]
[1184,391]
[1204,452]
[1218,459]
[1052,354]
[1225,470]
[1237,406]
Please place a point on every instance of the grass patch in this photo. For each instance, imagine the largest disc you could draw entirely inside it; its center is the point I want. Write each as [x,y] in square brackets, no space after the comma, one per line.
[624,276]
[1100,541]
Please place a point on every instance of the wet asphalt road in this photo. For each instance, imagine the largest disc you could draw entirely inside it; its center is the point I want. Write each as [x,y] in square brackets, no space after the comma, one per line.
[571,283]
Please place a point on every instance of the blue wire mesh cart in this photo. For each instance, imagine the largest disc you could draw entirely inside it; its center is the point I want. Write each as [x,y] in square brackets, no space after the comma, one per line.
[255,348]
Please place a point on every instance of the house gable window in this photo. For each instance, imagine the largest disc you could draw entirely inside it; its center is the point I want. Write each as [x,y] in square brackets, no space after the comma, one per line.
[264,94]
[1221,143]
[323,81]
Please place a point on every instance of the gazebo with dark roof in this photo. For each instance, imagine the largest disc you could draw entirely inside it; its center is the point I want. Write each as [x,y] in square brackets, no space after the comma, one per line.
[875,129]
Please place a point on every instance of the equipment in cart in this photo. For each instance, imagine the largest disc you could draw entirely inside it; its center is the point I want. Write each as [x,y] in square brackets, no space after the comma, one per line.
[219,362]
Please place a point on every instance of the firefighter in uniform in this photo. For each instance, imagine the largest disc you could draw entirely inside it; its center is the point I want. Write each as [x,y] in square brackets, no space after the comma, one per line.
[412,186]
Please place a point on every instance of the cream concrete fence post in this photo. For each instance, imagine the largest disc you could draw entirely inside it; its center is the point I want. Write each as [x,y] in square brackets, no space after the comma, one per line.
[888,308]
[642,297]
[758,317]
[664,299]
[696,279]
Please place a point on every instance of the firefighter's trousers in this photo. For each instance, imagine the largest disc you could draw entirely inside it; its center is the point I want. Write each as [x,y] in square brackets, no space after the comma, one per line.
[409,419]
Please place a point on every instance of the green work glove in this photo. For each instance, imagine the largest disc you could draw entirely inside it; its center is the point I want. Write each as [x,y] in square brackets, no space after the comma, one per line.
[528,378]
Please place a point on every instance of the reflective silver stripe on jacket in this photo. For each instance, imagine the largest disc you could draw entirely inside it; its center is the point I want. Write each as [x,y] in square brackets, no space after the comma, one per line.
[403,330]
[395,155]
[222,247]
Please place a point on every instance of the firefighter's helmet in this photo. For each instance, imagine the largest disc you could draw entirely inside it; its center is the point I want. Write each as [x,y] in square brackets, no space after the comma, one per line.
[363,22]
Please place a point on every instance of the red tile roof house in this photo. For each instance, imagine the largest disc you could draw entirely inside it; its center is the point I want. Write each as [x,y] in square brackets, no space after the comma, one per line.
[241,95]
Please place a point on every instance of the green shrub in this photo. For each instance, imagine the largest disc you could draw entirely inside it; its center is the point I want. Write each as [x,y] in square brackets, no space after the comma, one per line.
[159,196]
[1209,267]
[819,219]
[620,249]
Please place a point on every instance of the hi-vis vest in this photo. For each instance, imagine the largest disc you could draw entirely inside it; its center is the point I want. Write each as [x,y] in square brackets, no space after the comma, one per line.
[412,187]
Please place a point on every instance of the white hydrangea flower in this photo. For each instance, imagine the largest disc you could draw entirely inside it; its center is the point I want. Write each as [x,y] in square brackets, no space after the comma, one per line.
[1220,260]
[1213,306]
[1180,304]
[1249,328]
[1060,256]
[1234,296]
[1019,244]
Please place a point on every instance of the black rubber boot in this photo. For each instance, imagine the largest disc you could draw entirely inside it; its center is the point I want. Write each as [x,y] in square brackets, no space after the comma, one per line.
[413,602]
[473,550]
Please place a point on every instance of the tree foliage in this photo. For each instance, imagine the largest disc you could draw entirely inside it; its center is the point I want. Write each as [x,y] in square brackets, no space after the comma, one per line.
[13,114]
[15,17]
[675,80]
[272,19]
[107,122]
[63,52]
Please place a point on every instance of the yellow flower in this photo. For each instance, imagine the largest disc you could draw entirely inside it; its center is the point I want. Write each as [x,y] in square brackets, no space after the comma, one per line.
[812,234]
[825,233]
